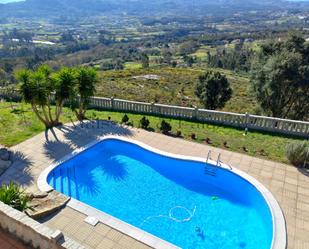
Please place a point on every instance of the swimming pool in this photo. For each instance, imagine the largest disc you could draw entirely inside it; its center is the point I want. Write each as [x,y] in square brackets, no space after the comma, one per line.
[188,203]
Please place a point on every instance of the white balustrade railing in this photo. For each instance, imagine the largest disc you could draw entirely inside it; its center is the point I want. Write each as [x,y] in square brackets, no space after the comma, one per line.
[254,122]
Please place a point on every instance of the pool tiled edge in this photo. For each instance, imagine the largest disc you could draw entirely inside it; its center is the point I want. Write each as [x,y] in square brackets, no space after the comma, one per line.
[121,226]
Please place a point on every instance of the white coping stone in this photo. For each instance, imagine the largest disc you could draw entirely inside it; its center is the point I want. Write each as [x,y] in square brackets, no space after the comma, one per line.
[57,235]
[91,220]
[279,227]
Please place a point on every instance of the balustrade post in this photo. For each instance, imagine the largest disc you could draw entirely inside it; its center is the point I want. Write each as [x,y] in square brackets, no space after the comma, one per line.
[247,118]
[112,103]
[195,113]
[152,107]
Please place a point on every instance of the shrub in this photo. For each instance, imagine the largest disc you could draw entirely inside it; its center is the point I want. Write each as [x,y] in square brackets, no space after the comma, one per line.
[13,196]
[144,123]
[244,148]
[263,152]
[298,153]
[165,127]
[193,136]
[178,134]
[130,124]
[125,119]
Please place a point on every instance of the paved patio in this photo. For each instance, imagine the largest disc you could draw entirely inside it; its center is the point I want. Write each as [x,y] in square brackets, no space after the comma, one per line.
[289,186]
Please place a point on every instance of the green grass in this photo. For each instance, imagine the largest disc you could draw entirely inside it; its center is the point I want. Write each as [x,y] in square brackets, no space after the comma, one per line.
[175,86]
[200,55]
[132,65]
[18,123]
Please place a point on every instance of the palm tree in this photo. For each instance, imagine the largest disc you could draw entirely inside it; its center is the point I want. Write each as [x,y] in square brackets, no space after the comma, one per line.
[85,89]
[43,88]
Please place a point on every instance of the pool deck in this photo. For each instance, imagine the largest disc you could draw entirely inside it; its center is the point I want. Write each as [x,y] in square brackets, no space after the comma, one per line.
[289,185]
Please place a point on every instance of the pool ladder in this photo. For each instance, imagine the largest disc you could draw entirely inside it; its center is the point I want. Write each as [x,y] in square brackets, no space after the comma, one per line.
[209,158]
[210,169]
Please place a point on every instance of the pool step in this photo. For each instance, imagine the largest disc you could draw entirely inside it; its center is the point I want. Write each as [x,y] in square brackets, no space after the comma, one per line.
[65,189]
[211,171]
[57,181]
[64,181]
[74,185]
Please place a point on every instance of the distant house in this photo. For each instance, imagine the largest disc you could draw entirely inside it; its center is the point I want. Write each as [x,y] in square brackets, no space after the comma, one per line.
[236,41]
[249,40]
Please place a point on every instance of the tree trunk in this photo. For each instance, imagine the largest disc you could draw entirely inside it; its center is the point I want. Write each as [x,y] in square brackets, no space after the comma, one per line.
[35,110]
[49,111]
[59,107]
[80,115]
[45,115]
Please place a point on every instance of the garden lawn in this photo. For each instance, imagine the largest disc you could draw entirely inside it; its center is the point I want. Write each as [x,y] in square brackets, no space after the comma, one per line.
[18,123]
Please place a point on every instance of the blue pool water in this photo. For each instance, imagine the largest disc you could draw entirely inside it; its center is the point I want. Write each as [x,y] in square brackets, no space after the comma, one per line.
[170,198]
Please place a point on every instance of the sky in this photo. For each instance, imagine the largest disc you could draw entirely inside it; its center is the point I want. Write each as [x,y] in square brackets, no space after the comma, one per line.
[8,1]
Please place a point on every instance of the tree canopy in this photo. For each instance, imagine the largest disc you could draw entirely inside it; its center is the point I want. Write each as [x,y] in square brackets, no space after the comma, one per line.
[48,91]
[86,81]
[280,78]
[213,89]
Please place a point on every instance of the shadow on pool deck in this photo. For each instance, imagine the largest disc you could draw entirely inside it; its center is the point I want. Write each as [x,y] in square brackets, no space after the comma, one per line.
[78,135]
[304,171]
[86,132]
[63,140]
[57,149]
[59,142]
[19,170]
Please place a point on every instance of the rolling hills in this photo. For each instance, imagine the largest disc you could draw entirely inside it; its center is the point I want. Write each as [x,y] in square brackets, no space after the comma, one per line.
[48,8]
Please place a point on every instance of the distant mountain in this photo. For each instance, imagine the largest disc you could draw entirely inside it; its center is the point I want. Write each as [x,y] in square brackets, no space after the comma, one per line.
[54,8]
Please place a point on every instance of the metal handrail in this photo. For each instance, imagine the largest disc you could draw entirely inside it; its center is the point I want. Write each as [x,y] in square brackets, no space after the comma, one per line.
[208,156]
[219,162]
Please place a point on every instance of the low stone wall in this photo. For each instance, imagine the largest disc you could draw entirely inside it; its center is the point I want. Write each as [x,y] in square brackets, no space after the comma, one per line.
[32,232]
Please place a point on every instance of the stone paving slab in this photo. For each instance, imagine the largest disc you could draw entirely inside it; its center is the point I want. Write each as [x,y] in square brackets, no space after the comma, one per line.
[289,185]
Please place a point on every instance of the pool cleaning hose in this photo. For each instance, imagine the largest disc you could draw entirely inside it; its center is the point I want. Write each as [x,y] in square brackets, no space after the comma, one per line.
[170,215]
